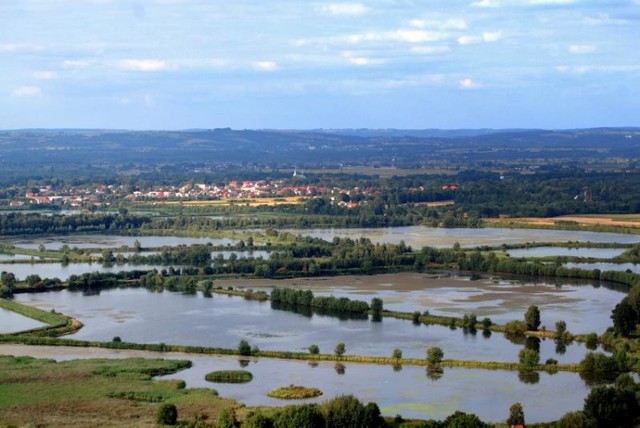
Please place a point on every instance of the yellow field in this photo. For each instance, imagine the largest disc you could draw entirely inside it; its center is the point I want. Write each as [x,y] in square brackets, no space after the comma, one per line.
[255,202]
[627,220]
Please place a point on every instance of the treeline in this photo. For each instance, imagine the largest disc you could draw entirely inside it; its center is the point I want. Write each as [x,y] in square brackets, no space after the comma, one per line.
[33,223]
[305,298]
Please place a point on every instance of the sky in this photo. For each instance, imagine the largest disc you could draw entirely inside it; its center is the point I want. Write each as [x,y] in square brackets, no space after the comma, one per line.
[248,64]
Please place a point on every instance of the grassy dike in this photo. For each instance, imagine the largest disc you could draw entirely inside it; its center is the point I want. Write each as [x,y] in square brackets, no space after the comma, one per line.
[59,324]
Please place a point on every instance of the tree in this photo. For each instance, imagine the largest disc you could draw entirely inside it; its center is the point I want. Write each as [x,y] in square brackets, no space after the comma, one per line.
[396,354]
[532,318]
[372,417]
[463,420]
[561,330]
[340,349]
[624,318]
[344,411]
[167,414]
[529,358]
[434,355]
[244,348]
[516,415]
[376,306]
[313,349]
[610,407]
[303,416]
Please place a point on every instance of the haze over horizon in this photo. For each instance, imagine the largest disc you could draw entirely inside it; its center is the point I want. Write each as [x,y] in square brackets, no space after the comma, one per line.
[184,64]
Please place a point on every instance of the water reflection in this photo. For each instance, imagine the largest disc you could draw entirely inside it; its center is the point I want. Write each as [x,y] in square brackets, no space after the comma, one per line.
[486,393]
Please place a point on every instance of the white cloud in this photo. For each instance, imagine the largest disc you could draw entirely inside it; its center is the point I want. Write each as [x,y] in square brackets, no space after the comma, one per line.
[469,40]
[447,24]
[349,9]
[359,60]
[492,36]
[604,19]
[430,50]
[468,84]
[578,69]
[488,36]
[44,75]
[13,47]
[485,3]
[141,64]
[26,91]
[75,63]
[550,2]
[265,65]
[582,49]
[414,36]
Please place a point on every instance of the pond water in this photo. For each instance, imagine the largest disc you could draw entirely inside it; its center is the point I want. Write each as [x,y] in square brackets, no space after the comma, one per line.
[12,322]
[583,305]
[14,257]
[622,267]
[63,272]
[139,315]
[420,236]
[409,392]
[600,253]
[111,241]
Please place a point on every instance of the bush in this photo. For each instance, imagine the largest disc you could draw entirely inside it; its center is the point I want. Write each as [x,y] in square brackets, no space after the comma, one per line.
[116,339]
[529,358]
[244,348]
[516,415]
[397,354]
[303,416]
[515,328]
[486,323]
[532,318]
[258,420]
[344,411]
[313,349]
[227,419]
[463,420]
[434,355]
[167,414]
[340,349]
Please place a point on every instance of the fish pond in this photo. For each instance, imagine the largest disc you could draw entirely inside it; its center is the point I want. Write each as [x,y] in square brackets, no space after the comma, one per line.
[422,236]
[141,315]
[406,390]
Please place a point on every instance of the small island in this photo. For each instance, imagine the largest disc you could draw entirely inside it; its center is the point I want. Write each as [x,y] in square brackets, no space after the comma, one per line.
[294,392]
[229,376]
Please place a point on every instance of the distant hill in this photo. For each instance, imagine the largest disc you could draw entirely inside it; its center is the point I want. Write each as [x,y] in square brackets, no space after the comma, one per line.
[313,148]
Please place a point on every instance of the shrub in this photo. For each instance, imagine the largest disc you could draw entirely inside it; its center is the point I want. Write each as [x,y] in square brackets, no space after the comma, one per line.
[397,354]
[532,318]
[313,349]
[516,415]
[515,328]
[486,323]
[116,339]
[303,416]
[227,419]
[258,420]
[244,348]
[167,414]
[463,420]
[344,411]
[434,355]
[529,358]
[340,349]
[415,317]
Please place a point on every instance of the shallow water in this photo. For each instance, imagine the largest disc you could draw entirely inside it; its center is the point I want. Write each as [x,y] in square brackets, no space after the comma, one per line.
[11,322]
[63,272]
[409,391]
[421,236]
[600,253]
[111,241]
[139,315]
[622,267]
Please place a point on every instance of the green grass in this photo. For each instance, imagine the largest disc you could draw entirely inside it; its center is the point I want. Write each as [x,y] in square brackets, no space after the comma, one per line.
[229,376]
[97,392]
[50,318]
[293,392]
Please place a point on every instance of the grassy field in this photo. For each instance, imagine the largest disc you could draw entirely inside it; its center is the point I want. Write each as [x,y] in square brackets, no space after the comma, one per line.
[97,392]
[622,220]
[382,172]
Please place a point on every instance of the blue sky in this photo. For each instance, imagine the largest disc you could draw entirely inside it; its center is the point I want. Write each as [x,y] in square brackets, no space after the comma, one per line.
[177,64]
